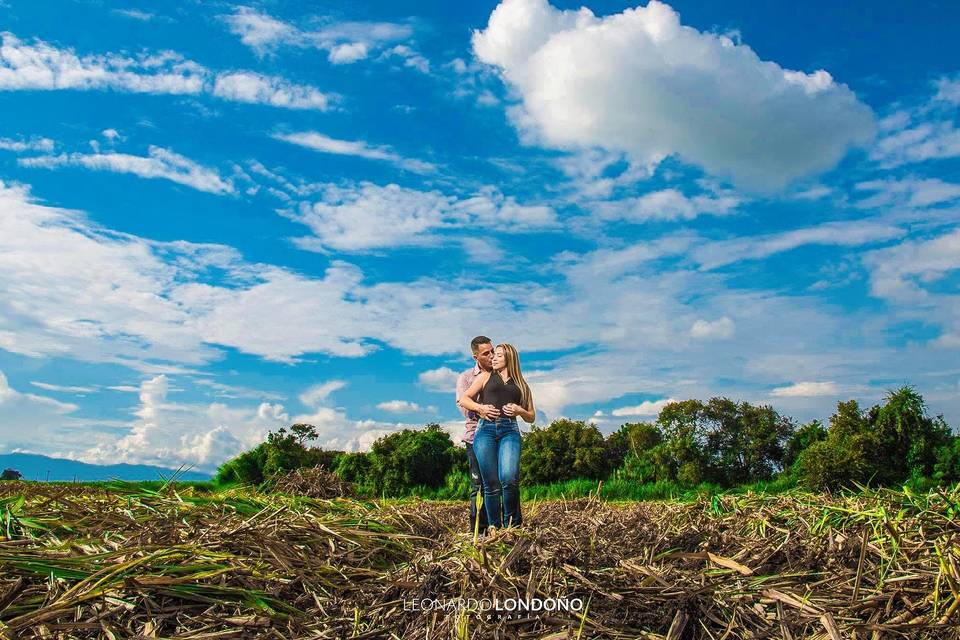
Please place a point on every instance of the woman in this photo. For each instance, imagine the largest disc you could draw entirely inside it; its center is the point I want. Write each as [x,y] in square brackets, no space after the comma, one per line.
[505,396]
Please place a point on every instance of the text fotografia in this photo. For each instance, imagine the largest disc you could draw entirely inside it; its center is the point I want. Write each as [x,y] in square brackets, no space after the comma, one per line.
[495,607]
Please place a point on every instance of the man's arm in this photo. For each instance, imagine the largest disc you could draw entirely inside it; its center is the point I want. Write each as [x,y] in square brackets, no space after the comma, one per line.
[462,385]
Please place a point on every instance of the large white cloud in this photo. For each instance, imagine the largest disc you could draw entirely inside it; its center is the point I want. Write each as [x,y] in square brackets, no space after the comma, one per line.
[640,82]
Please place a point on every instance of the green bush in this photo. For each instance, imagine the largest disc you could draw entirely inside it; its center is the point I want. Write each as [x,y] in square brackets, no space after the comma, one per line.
[892,443]
[833,464]
[947,467]
[402,460]
[564,450]
[629,441]
[282,452]
[802,438]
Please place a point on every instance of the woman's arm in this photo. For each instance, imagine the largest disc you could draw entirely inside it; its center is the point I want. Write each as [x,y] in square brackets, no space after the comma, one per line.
[528,415]
[467,399]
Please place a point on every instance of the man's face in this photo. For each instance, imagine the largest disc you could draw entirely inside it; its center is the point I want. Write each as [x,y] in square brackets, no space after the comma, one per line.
[484,356]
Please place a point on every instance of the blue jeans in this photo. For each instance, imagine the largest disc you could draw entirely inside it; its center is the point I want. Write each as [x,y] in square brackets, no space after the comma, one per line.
[497,447]
[476,490]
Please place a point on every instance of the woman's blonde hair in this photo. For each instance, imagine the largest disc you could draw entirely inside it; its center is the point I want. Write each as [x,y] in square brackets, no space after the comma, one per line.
[513,370]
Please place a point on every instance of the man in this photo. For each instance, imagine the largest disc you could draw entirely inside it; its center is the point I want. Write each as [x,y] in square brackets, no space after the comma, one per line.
[482,349]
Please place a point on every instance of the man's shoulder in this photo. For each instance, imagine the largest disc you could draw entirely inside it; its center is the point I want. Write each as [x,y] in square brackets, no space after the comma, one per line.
[467,373]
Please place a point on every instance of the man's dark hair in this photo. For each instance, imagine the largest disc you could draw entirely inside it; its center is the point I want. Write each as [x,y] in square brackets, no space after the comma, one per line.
[476,342]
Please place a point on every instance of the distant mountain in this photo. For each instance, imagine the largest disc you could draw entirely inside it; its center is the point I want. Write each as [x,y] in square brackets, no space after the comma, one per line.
[36,467]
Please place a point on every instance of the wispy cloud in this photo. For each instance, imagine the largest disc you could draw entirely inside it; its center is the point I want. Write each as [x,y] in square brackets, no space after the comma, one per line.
[46,386]
[42,66]
[353,217]
[159,163]
[344,42]
[20,146]
[326,144]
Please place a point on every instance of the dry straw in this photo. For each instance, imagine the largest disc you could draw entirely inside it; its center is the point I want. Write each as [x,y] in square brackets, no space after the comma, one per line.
[92,562]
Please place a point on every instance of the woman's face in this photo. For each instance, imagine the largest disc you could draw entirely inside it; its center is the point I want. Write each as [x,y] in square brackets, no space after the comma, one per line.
[499,359]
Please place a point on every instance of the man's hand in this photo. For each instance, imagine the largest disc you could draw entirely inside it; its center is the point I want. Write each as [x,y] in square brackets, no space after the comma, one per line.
[510,409]
[489,412]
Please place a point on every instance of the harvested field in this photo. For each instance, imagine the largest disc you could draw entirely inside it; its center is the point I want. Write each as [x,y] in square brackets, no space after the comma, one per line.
[86,562]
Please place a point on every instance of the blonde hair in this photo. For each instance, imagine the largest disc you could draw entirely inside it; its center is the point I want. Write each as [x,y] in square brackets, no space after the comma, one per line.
[513,369]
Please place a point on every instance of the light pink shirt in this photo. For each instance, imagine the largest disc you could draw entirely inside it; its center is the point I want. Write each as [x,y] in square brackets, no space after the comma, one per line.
[463,383]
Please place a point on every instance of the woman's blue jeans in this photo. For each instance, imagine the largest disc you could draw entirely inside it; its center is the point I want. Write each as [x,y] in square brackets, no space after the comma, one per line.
[497,447]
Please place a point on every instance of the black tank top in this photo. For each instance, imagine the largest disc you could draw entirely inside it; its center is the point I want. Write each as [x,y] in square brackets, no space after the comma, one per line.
[498,393]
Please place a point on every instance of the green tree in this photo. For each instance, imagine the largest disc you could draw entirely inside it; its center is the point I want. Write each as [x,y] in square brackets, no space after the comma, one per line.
[10,474]
[907,438]
[802,438]
[564,450]
[405,459]
[684,425]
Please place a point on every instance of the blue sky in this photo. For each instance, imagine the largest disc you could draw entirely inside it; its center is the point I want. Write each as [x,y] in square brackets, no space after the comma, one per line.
[216,218]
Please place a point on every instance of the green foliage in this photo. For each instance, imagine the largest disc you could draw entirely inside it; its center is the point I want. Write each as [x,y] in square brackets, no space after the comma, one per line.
[564,450]
[802,438]
[353,467]
[834,463]
[401,460]
[629,440]
[10,474]
[907,438]
[723,441]
[947,468]
[246,468]
[892,443]
[282,452]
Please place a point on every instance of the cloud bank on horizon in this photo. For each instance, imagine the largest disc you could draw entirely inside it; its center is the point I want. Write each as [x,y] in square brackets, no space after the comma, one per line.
[216,222]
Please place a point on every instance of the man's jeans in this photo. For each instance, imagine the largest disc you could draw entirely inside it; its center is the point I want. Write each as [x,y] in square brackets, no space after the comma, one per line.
[476,489]
[497,447]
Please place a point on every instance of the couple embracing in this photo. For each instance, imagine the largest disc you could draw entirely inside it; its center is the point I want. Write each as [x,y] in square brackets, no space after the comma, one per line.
[491,395]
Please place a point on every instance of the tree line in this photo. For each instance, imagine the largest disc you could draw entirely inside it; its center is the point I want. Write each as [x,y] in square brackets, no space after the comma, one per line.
[721,442]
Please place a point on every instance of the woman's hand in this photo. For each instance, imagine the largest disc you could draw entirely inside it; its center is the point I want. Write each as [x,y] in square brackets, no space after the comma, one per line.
[489,412]
[510,409]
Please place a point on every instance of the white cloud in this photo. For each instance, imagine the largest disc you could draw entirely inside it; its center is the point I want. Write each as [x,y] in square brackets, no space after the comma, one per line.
[246,86]
[907,192]
[640,82]
[42,66]
[344,42]
[900,273]
[646,408]
[850,233]
[410,57]
[400,406]
[168,434]
[925,131]
[326,144]
[159,163]
[948,89]
[135,14]
[258,30]
[367,216]
[721,328]
[33,144]
[442,379]
[807,389]
[46,386]
[347,53]
[666,204]
[316,394]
